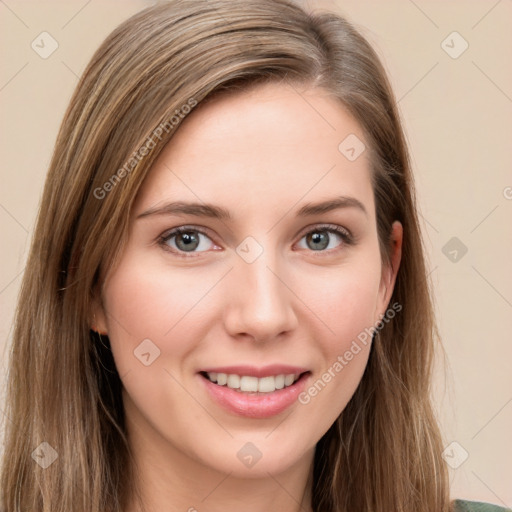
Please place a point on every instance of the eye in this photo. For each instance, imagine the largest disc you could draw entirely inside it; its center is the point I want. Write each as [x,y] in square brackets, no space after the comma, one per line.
[188,239]
[321,237]
[184,239]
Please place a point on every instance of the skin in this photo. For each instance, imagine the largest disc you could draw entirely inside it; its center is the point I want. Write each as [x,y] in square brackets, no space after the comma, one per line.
[261,154]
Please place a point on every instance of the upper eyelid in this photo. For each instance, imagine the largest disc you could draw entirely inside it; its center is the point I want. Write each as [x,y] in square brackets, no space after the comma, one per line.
[185,227]
[327,227]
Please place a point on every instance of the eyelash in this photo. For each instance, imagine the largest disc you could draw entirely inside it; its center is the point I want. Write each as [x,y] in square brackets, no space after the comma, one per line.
[344,234]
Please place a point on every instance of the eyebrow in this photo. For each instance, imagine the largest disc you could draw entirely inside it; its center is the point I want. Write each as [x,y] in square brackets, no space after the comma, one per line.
[217,212]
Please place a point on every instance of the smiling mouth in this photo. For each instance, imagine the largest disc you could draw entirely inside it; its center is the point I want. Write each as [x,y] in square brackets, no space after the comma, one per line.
[251,384]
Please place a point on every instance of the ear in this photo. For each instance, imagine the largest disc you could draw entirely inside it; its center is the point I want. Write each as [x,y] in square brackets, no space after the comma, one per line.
[390,270]
[98,318]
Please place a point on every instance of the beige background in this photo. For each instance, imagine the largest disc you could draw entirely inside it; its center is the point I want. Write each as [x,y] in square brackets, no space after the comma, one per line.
[457,113]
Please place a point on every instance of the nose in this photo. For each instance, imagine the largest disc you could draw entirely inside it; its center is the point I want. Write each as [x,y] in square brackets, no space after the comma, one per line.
[260,300]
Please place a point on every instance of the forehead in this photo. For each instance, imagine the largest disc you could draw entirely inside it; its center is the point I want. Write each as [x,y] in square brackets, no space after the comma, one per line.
[260,150]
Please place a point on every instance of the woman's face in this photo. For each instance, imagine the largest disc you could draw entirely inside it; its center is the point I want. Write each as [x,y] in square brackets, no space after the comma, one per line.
[260,289]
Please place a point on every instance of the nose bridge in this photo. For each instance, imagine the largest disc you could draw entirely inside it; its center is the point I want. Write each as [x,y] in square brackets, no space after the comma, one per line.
[260,303]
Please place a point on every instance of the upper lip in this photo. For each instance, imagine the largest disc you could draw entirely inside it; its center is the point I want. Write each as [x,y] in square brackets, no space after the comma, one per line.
[255,371]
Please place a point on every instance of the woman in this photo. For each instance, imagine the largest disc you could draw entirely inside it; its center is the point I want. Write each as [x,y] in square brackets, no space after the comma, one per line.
[226,300]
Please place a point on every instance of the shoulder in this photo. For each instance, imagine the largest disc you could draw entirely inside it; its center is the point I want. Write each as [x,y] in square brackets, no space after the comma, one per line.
[477,506]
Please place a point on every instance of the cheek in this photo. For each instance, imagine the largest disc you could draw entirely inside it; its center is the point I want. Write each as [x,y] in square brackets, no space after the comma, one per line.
[344,299]
[156,303]
[345,302]
[167,305]
[174,309]
[156,317]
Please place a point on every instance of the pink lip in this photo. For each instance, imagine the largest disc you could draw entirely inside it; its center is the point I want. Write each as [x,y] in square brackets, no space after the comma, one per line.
[254,371]
[255,405]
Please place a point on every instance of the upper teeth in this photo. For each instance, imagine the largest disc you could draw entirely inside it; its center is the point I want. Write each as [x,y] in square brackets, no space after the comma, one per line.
[249,383]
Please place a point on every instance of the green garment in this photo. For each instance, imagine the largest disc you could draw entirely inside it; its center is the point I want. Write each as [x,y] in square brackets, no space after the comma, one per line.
[476,506]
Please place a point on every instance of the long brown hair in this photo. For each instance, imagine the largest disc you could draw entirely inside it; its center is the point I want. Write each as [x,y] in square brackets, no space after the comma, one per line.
[383,453]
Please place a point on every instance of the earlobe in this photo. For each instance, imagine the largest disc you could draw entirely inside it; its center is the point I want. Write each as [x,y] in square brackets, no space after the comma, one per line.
[97,321]
[99,331]
[391,270]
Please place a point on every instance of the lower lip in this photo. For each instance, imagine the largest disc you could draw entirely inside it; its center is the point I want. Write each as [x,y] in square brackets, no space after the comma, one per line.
[255,405]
